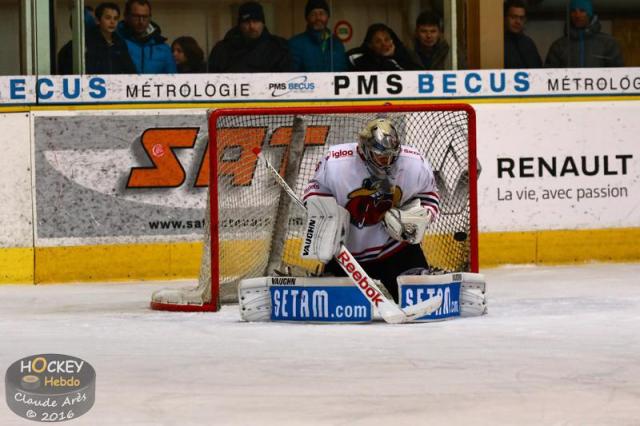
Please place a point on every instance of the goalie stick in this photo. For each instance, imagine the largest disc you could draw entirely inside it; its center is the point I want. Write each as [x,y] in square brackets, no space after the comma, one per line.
[388,309]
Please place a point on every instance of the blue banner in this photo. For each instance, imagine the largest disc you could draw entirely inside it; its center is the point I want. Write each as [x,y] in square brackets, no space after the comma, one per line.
[319,304]
[410,294]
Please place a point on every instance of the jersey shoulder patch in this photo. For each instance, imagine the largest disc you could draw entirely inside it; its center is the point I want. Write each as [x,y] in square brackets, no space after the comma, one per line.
[407,151]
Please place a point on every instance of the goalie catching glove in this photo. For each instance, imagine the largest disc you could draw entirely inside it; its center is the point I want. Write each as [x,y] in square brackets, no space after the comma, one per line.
[409,222]
[326,229]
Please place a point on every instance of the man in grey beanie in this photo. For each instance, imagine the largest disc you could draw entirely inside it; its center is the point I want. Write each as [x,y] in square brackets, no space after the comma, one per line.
[316,49]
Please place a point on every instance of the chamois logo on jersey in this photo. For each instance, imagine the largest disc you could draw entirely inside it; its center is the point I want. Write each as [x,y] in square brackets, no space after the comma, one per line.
[50,387]
[367,205]
[300,84]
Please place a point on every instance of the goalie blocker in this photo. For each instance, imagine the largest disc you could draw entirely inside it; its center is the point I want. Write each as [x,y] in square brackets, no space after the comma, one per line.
[337,300]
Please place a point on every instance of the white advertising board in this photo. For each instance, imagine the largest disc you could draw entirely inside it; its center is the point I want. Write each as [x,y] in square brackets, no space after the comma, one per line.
[16,213]
[558,166]
[207,88]
[545,166]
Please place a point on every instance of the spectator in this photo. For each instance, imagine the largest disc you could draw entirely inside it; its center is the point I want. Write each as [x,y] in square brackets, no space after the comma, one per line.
[249,46]
[429,43]
[583,45]
[147,47]
[65,54]
[519,50]
[188,55]
[106,52]
[316,49]
[381,50]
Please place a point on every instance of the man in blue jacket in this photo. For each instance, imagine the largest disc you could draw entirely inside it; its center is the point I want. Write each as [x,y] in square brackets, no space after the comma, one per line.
[147,47]
[316,49]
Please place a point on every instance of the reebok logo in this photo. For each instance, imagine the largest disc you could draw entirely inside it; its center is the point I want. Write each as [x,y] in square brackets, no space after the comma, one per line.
[307,240]
[350,267]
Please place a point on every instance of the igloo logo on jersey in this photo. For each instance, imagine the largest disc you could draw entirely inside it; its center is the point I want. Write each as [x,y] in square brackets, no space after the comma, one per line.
[342,153]
[50,387]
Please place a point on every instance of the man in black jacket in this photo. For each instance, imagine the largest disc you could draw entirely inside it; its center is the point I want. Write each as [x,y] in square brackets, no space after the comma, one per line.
[519,50]
[106,52]
[249,47]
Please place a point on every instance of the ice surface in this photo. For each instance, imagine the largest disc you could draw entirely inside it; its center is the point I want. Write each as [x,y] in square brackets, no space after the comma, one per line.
[560,346]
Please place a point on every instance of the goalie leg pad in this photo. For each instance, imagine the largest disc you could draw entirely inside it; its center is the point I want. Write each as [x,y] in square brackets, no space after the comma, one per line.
[326,229]
[473,299]
[311,300]
[464,294]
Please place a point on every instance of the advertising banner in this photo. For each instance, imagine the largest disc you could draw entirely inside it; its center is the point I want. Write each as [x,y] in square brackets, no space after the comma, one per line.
[142,175]
[273,87]
[97,178]
[558,166]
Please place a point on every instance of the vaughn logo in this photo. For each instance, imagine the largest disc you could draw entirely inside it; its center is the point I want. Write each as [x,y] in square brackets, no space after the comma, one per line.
[50,387]
[300,84]
[307,240]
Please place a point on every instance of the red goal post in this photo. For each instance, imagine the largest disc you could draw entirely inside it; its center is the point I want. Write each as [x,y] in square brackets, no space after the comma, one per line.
[254,228]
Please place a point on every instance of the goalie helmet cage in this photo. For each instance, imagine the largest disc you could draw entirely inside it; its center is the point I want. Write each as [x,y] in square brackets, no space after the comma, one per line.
[254,228]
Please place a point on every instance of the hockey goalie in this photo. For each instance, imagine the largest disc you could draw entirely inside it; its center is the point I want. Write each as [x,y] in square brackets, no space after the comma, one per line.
[368,205]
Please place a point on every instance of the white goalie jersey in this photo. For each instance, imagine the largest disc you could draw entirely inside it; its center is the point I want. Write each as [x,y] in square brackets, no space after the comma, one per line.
[343,174]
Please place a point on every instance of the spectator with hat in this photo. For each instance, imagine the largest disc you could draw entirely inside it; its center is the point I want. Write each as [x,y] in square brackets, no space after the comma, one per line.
[249,46]
[584,45]
[316,49]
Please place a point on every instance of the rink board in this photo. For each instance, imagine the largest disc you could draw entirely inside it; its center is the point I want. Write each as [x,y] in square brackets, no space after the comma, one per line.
[68,215]
[182,260]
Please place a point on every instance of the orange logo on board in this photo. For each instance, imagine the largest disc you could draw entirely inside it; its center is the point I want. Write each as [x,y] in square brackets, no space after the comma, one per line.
[235,156]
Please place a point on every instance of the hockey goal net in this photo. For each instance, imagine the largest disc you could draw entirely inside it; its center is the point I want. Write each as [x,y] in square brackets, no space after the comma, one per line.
[254,227]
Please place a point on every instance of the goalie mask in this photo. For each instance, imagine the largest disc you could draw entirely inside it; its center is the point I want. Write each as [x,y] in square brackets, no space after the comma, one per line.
[380,146]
